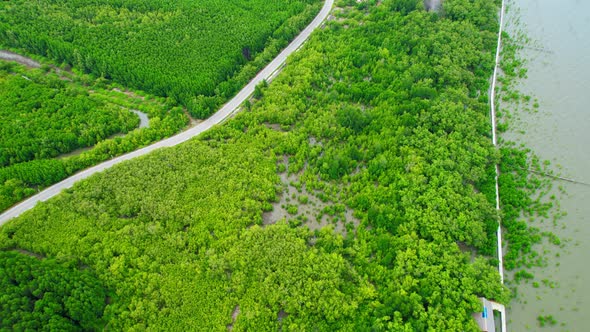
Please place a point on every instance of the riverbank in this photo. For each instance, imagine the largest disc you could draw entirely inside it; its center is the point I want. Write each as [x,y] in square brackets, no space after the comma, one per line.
[559,76]
[500,308]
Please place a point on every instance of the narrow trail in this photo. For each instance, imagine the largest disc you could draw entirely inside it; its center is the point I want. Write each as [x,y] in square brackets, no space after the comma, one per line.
[144,121]
[226,111]
[23,60]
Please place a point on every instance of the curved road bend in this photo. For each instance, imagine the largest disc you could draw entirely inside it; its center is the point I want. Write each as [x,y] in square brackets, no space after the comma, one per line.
[228,109]
[144,122]
[10,56]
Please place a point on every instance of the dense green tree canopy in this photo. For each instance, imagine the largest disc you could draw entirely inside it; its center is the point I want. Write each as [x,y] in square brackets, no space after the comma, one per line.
[383,112]
[189,50]
[47,113]
[194,53]
[42,294]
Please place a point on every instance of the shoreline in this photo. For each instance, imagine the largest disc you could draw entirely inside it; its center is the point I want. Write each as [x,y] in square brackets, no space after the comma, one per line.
[500,308]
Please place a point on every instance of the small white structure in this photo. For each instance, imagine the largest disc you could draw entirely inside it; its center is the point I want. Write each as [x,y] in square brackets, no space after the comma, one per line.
[485,318]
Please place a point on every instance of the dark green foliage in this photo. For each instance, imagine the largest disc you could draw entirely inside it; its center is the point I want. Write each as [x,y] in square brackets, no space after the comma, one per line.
[46,295]
[523,275]
[36,173]
[518,187]
[191,51]
[546,320]
[479,12]
[378,113]
[405,6]
[352,118]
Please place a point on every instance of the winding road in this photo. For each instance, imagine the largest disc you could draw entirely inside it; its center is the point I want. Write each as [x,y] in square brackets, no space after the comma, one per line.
[226,110]
[144,120]
[10,56]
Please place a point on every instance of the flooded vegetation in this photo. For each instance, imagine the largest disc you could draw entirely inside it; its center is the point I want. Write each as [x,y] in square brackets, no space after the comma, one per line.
[555,125]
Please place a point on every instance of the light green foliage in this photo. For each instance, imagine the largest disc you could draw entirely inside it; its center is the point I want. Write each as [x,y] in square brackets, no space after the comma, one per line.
[191,51]
[42,116]
[382,112]
[45,114]
[143,245]
[292,209]
[186,51]
[522,197]
[303,199]
[523,188]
